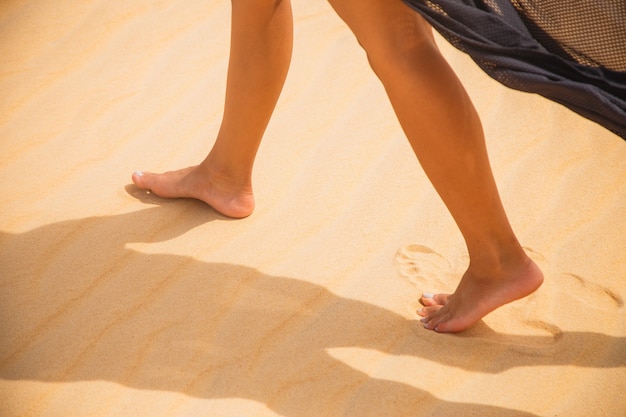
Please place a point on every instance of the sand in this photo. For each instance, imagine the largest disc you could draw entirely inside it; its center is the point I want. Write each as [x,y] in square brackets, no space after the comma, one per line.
[117,303]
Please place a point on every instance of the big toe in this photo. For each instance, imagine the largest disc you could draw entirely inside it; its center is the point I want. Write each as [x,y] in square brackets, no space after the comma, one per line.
[141,179]
[428,299]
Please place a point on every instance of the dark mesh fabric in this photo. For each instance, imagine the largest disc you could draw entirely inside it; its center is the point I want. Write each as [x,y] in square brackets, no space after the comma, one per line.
[570,51]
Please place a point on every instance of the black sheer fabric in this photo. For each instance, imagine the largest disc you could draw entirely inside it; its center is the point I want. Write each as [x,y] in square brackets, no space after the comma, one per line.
[570,51]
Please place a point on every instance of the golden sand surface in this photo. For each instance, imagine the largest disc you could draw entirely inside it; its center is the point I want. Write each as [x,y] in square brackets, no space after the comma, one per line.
[114,302]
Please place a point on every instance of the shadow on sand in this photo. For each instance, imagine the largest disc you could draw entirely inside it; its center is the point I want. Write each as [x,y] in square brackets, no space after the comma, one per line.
[89,308]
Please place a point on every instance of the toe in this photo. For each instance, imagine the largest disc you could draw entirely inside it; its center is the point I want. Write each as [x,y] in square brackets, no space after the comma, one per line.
[430,323]
[432,317]
[137,177]
[428,311]
[434,299]
[441,299]
[427,299]
[141,179]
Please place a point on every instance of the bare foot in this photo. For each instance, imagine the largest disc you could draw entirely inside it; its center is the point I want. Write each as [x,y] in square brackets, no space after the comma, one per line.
[476,296]
[229,199]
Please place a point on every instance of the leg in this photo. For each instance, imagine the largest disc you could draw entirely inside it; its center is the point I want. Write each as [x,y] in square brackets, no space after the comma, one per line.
[260,53]
[445,133]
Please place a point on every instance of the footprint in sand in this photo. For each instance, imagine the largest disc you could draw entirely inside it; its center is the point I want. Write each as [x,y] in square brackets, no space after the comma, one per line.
[424,267]
[584,291]
[430,271]
[589,293]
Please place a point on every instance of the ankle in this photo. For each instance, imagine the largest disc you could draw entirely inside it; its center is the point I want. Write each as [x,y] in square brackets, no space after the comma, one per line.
[499,261]
[226,175]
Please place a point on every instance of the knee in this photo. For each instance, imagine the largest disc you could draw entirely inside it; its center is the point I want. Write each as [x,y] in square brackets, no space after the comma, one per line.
[259,4]
[253,17]
[395,48]
[255,3]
